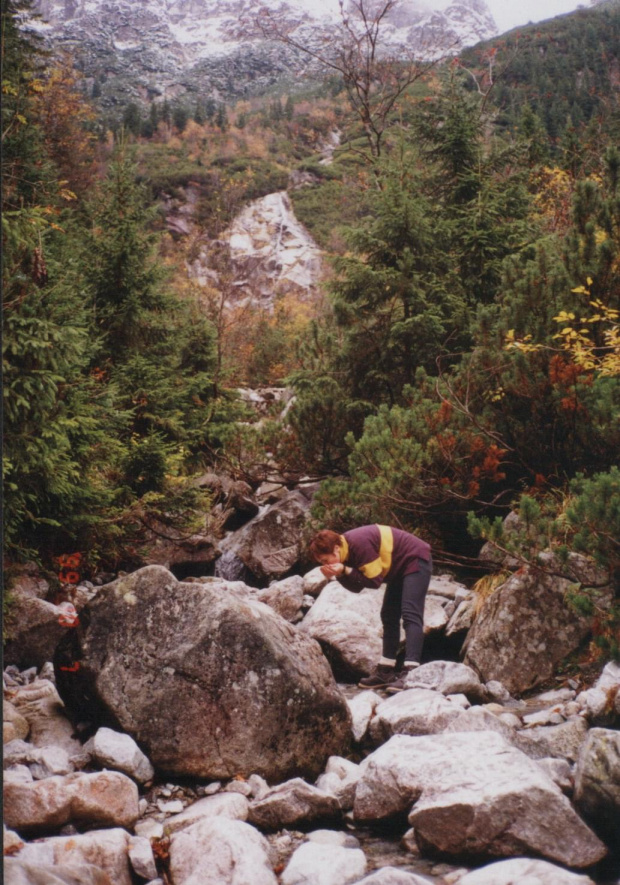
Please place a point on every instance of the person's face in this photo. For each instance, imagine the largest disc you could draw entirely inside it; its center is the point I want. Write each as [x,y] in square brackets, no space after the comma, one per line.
[329,558]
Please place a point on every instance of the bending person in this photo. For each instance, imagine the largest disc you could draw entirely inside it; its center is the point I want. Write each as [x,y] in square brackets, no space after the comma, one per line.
[367,557]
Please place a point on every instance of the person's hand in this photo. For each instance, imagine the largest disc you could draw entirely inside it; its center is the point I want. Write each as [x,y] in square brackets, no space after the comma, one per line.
[333,570]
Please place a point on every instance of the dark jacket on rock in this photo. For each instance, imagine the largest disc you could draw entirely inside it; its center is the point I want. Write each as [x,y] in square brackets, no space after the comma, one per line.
[378,553]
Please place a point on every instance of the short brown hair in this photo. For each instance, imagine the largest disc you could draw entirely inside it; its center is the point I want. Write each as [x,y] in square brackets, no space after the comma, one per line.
[324,542]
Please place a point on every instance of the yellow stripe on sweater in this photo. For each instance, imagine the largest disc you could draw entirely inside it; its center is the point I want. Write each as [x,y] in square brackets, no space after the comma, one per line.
[383,563]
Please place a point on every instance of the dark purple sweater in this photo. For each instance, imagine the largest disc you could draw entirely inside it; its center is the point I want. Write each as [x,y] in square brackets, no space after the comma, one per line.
[377,554]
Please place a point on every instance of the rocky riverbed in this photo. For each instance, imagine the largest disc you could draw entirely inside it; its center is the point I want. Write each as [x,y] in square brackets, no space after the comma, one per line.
[210,731]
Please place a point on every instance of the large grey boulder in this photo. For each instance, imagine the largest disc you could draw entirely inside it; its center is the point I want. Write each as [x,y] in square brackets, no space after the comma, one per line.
[292,803]
[348,627]
[106,798]
[217,851]
[562,741]
[523,630]
[473,795]
[316,864]
[271,543]
[597,783]
[525,870]
[107,850]
[209,683]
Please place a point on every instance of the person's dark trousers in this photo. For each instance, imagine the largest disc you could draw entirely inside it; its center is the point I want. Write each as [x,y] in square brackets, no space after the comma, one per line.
[404,598]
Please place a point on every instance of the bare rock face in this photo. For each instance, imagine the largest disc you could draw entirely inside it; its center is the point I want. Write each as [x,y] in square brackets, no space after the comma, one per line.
[316,864]
[523,630]
[473,795]
[208,682]
[14,726]
[270,544]
[106,798]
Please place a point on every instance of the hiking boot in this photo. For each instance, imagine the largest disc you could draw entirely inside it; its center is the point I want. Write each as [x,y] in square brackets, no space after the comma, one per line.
[399,683]
[380,677]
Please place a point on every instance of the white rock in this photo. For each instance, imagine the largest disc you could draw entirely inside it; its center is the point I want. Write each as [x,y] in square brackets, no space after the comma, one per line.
[316,864]
[597,782]
[463,617]
[141,857]
[340,780]
[174,806]
[435,615]
[560,773]
[14,725]
[107,849]
[292,803]
[473,795]
[415,711]
[149,828]
[447,677]
[445,585]
[562,741]
[232,806]
[49,761]
[41,706]
[525,871]
[348,625]
[510,719]
[217,851]
[393,876]
[544,717]
[121,753]
[497,691]
[258,785]
[18,774]
[333,837]
[595,701]
[459,700]
[314,582]
[241,787]
[362,708]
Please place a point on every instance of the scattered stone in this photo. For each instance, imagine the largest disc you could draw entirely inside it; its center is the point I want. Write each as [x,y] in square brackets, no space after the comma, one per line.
[315,581]
[40,704]
[497,691]
[19,873]
[525,870]
[150,829]
[106,850]
[362,708]
[121,753]
[597,783]
[560,773]
[340,780]
[543,717]
[318,864]
[473,795]
[270,544]
[392,876]
[291,803]
[258,786]
[284,597]
[562,741]
[217,851]
[141,857]
[463,617]
[105,798]
[348,627]
[14,725]
[435,614]
[232,806]
[601,703]
[175,806]
[333,837]
[415,711]
[447,677]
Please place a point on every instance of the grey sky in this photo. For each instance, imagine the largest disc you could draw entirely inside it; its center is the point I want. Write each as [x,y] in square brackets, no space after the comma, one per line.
[511,13]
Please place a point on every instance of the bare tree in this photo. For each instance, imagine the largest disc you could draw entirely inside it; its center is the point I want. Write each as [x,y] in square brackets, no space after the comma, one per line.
[374,77]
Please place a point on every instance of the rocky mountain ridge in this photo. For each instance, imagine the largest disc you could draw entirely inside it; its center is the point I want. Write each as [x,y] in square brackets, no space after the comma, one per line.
[156,49]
